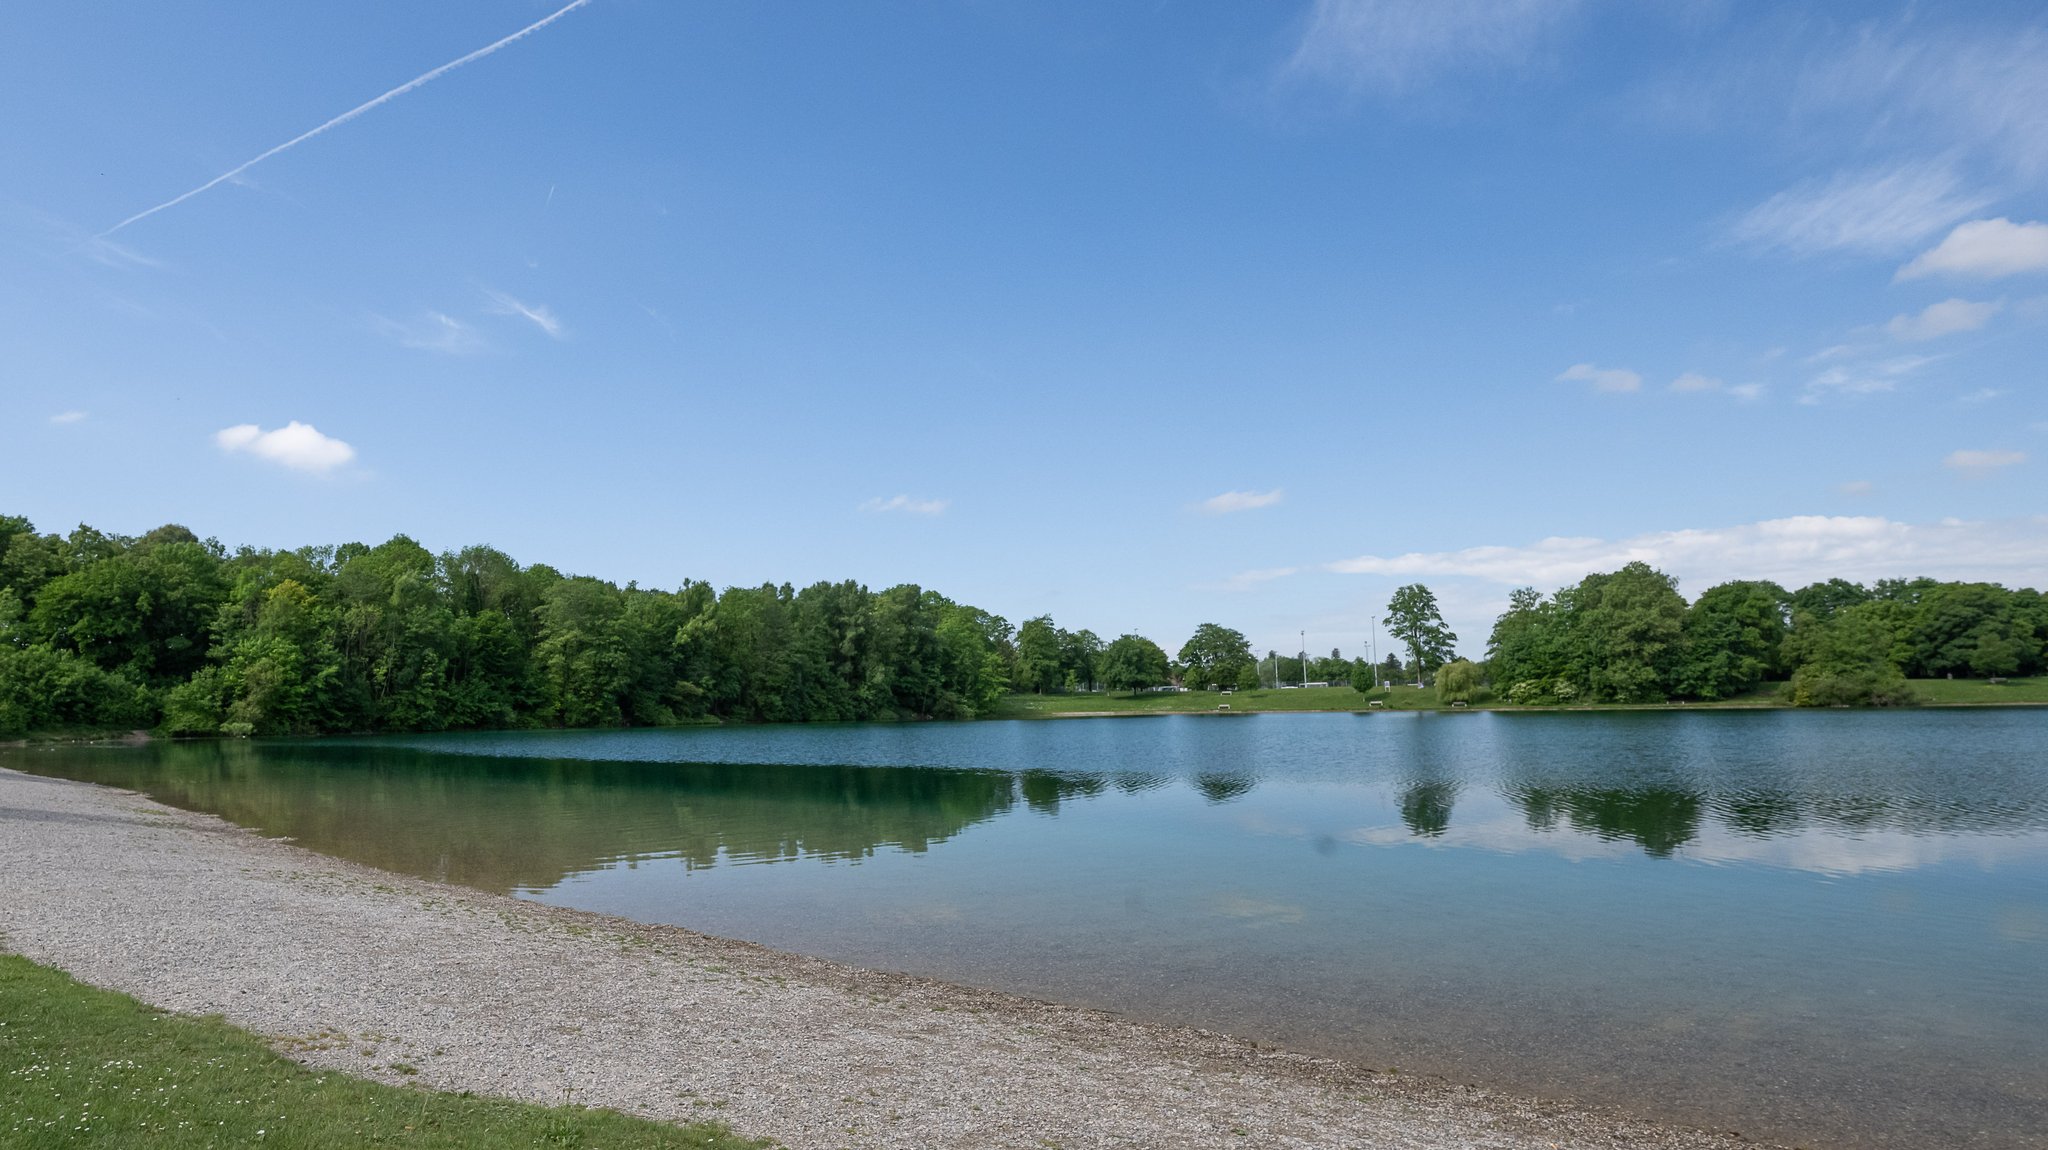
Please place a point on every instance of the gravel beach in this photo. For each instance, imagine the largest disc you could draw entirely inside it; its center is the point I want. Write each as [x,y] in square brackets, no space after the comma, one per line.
[410,981]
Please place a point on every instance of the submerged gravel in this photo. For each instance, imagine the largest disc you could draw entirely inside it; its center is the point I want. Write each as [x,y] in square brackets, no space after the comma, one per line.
[410,981]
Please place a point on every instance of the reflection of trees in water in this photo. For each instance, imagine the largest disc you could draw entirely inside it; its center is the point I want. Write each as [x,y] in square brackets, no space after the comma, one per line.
[1661,819]
[505,823]
[1223,786]
[1044,790]
[1426,807]
[1431,775]
[1138,782]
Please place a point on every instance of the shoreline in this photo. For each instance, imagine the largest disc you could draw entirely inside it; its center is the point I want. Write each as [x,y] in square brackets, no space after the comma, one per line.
[136,737]
[349,968]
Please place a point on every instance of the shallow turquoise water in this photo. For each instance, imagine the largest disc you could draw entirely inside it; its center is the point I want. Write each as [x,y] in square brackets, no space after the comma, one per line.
[1826,928]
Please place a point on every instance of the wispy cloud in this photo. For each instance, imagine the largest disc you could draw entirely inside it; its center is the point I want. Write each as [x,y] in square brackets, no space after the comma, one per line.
[904,504]
[1794,551]
[68,417]
[1392,45]
[1247,580]
[1984,249]
[1863,378]
[234,173]
[1231,501]
[434,331]
[1915,83]
[1982,395]
[297,445]
[1945,318]
[538,314]
[1615,379]
[1983,461]
[1694,381]
[1856,487]
[1872,211]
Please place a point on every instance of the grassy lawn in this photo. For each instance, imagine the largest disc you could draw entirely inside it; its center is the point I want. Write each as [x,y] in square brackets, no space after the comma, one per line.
[81,1067]
[1961,691]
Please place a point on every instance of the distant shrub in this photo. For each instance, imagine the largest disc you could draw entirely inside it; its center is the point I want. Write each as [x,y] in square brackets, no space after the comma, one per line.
[1457,681]
[1881,686]
[46,689]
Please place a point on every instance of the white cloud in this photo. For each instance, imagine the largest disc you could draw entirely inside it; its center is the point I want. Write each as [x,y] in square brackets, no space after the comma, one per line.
[1794,551]
[1747,392]
[1864,378]
[1945,318]
[1984,249]
[1694,381]
[1395,44]
[1982,395]
[1980,87]
[1857,487]
[538,314]
[295,445]
[1983,461]
[906,504]
[435,332]
[1871,211]
[68,417]
[1231,501]
[1602,378]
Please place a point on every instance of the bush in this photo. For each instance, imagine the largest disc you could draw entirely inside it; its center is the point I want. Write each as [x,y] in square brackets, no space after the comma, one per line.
[1457,682]
[1878,686]
[44,689]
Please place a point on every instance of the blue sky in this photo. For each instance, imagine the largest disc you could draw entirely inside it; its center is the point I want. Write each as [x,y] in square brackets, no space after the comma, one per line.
[1142,316]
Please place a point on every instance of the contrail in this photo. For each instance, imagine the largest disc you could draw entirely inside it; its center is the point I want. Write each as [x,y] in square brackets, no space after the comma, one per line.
[416,82]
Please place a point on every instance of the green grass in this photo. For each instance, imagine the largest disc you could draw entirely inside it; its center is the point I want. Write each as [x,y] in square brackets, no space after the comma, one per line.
[1959,692]
[1934,692]
[81,1067]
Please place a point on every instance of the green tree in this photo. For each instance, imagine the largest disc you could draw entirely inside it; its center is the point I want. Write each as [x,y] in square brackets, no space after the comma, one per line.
[1845,660]
[1039,668]
[1627,633]
[1457,682]
[1733,636]
[1214,656]
[1132,663]
[1414,620]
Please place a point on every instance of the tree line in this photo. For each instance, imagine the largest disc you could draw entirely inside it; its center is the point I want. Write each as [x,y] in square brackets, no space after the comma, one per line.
[1628,636]
[176,633]
[172,632]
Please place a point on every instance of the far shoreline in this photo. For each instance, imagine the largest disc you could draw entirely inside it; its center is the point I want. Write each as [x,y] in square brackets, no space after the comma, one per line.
[1025,708]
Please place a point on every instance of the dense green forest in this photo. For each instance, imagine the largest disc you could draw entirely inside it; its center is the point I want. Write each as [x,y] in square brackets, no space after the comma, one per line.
[171,632]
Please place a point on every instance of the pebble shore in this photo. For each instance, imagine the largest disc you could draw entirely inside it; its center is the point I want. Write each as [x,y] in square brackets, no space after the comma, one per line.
[409,981]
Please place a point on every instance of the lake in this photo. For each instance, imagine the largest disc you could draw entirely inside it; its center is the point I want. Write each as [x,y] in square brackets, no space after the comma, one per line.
[1828,928]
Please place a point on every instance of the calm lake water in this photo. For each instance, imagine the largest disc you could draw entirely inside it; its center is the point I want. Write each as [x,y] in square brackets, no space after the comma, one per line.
[1825,928]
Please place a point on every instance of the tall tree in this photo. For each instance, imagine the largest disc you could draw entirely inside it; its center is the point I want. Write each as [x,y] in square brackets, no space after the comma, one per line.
[1733,637]
[1413,619]
[1038,656]
[1214,656]
[1131,663]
